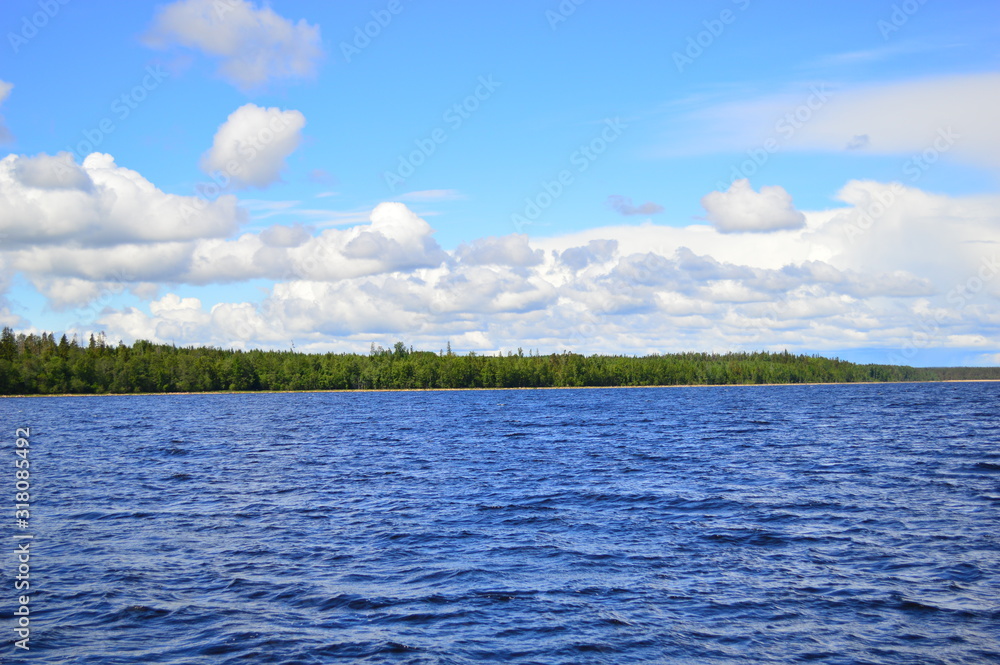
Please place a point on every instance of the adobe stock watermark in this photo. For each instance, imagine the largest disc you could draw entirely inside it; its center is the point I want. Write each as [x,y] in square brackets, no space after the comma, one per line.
[23,499]
[455,116]
[784,129]
[914,167]
[581,159]
[961,296]
[122,107]
[901,14]
[697,44]
[562,13]
[363,35]
[32,24]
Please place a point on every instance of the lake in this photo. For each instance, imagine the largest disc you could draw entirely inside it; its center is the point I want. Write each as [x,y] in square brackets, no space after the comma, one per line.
[837,524]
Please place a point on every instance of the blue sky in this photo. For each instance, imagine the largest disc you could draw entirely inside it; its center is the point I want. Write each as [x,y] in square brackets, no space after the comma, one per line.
[531,129]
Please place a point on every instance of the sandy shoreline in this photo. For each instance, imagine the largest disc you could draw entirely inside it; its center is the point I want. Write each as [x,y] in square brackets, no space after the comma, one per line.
[430,390]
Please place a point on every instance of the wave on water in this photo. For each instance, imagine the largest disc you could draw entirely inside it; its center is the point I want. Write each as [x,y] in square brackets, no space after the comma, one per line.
[835,524]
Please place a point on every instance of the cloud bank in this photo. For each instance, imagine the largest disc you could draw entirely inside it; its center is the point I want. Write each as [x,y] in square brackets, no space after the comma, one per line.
[890,267]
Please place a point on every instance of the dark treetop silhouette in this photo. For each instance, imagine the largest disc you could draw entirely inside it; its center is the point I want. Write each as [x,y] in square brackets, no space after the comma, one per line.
[38,364]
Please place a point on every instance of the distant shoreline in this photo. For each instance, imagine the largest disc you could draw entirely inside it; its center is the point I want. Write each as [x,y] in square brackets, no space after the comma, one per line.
[39,365]
[439,390]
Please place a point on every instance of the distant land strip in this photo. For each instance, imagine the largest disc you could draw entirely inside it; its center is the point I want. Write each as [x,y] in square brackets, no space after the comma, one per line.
[33,364]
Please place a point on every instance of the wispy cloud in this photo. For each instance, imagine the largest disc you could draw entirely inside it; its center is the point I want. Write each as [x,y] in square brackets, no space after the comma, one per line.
[868,56]
[898,117]
[262,209]
[332,218]
[431,195]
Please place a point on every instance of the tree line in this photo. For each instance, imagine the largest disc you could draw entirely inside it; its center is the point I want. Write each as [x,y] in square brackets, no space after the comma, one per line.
[33,364]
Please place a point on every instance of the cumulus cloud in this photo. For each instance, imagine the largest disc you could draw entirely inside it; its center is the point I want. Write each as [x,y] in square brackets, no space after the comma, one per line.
[250,148]
[147,262]
[513,250]
[254,44]
[888,260]
[638,303]
[893,227]
[285,236]
[397,237]
[641,289]
[49,200]
[395,240]
[741,209]
[52,172]
[578,258]
[5,88]
[171,318]
[63,293]
[623,205]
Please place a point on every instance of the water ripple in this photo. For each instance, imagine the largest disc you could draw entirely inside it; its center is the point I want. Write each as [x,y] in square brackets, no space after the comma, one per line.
[835,524]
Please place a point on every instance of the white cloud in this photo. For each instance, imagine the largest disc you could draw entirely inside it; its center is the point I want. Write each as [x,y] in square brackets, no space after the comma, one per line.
[889,261]
[629,295]
[512,250]
[431,195]
[285,236]
[173,304]
[395,240]
[742,209]
[49,200]
[52,172]
[173,319]
[148,262]
[988,360]
[889,227]
[251,147]
[578,258]
[69,292]
[5,88]
[255,45]
[953,114]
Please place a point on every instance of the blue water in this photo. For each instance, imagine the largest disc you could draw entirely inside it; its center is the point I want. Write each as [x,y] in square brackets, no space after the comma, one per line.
[833,524]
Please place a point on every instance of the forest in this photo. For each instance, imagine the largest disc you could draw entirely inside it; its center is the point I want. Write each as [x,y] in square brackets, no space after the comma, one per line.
[39,365]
